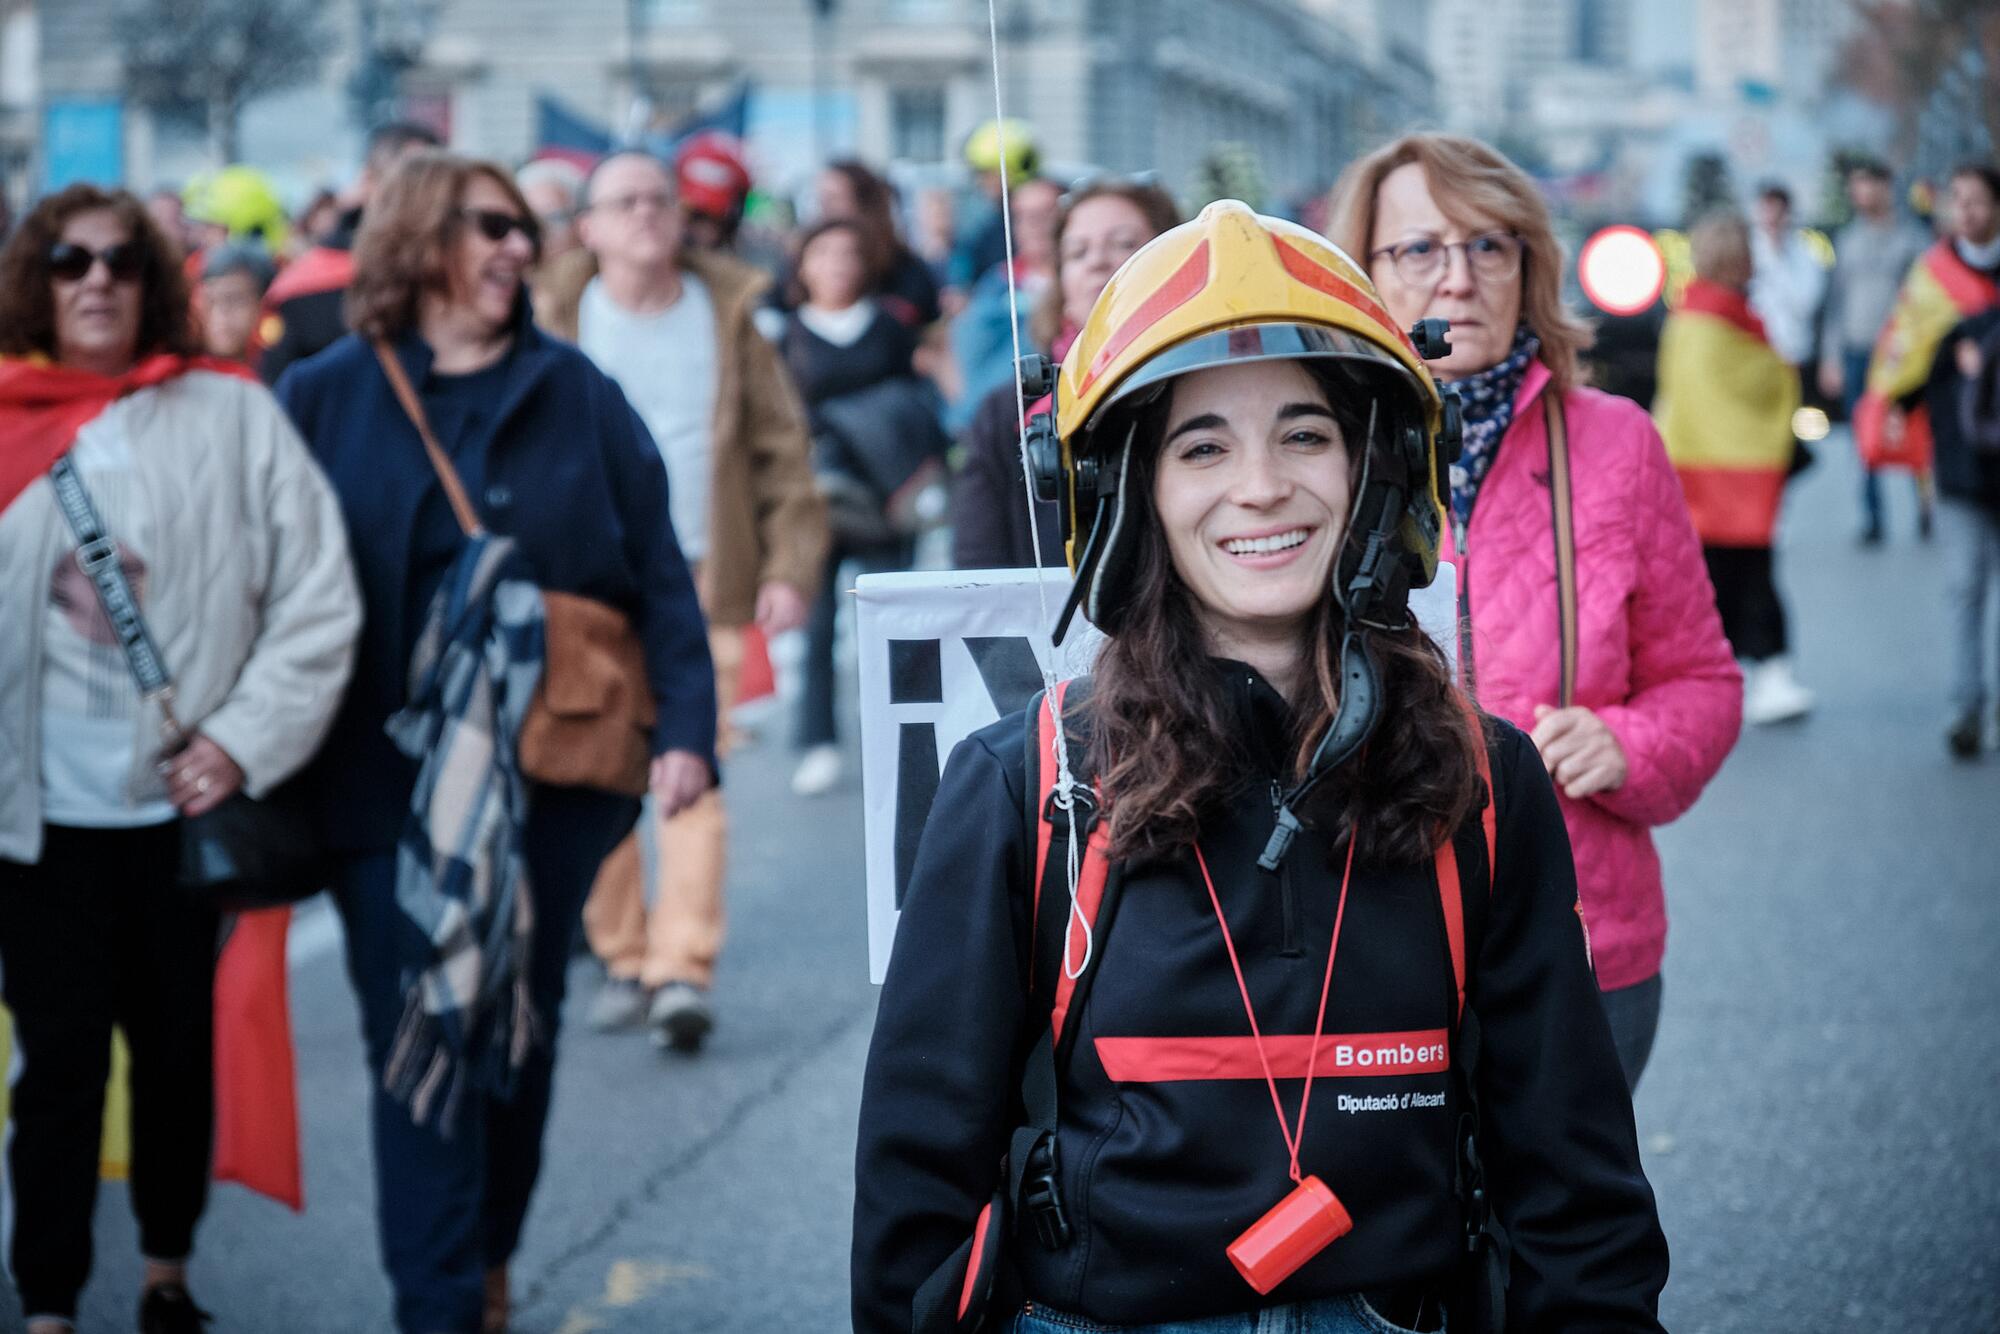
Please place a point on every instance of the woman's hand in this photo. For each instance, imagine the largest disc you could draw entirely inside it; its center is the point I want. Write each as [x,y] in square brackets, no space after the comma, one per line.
[678,778]
[780,607]
[200,777]
[1579,751]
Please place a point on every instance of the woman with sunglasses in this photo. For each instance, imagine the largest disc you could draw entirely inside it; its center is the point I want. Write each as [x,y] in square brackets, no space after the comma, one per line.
[1098,227]
[551,456]
[1638,720]
[231,542]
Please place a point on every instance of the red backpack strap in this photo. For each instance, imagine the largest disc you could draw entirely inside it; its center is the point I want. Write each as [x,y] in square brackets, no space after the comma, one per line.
[1450,877]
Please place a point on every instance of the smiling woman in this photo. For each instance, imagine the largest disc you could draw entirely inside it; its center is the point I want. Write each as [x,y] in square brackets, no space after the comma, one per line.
[1250,452]
[569,496]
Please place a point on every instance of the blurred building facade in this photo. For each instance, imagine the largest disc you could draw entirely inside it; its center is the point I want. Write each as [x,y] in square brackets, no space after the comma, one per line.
[1122,85]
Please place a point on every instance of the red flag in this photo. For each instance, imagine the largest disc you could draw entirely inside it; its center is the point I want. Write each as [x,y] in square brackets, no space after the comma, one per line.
[256,1085]
[756,679]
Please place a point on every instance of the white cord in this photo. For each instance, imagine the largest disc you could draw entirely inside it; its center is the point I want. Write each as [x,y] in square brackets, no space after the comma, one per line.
[1065,796]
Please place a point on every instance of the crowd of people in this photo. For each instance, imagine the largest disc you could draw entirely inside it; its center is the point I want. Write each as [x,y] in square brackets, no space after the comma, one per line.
[548,456]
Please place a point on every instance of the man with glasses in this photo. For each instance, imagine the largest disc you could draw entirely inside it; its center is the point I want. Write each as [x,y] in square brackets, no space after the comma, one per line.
[673,326]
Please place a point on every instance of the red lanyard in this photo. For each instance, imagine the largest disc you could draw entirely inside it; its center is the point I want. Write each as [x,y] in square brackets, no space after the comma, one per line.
[1292,1140]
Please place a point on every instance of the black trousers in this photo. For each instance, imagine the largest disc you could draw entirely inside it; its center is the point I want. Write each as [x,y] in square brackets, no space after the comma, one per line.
[96,935]
[1746,594]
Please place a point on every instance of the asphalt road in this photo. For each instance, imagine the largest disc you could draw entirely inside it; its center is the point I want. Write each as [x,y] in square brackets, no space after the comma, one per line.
[1821,1120]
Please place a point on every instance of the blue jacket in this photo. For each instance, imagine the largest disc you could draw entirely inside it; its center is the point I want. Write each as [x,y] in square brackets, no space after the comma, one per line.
[564,467]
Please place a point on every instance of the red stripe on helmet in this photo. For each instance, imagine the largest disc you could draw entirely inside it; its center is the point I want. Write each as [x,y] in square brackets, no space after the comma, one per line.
[1318,277]
[1186,282]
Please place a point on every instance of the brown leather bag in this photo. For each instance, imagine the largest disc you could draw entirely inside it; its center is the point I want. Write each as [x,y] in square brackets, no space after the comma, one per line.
[591,722]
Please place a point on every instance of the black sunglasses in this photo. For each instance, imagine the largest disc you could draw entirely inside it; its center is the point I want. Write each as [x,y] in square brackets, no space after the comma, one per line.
[496,226]
[72,263]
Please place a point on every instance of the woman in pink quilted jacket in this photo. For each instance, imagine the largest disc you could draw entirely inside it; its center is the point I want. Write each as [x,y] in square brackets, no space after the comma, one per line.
[1448,227]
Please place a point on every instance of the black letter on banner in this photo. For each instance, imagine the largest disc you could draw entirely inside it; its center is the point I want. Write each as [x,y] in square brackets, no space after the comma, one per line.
[916,789]
[916,676]
[1008,668]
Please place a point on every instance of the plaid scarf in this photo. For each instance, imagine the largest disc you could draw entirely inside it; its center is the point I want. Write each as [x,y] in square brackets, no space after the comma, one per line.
[461,866]
[1487,401]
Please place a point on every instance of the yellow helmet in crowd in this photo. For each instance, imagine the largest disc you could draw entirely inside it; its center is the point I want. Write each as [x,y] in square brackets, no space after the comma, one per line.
[1234,286]
[1006,143]
[240,199]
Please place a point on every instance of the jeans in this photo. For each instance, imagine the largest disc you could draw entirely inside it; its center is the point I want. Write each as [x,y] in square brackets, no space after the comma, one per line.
[1854,379]
[450,1208]
[1634,1015]
[816,726]
[1348,1314]
[1970,535]
[93,935]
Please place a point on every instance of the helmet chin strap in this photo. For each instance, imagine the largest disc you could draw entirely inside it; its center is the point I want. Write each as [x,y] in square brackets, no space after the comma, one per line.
[1360,706]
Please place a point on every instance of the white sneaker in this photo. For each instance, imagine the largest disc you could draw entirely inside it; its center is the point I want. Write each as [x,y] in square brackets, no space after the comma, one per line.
[817,772]
[1771,694]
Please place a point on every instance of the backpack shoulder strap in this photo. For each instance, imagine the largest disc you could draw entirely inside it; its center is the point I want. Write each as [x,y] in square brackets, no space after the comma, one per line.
[1065,937]
[1460,865]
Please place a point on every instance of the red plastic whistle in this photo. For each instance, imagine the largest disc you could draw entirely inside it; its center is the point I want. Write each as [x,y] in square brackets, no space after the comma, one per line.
[1298,1227]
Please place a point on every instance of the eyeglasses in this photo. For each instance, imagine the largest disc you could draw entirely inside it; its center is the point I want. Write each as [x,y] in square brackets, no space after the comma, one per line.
[496,225]
[1492,257]
[661,200]
[72,263]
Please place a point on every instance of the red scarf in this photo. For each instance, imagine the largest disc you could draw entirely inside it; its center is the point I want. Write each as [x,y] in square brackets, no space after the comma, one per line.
[43,405]
[1703,297]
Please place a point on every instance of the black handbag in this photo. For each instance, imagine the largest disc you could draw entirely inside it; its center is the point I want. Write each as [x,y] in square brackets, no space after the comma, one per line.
[247,853]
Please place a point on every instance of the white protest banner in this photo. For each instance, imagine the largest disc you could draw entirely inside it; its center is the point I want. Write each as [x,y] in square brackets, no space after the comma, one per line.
[942,654]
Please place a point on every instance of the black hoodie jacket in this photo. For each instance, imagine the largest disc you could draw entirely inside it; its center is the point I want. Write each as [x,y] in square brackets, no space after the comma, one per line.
[1161,1172]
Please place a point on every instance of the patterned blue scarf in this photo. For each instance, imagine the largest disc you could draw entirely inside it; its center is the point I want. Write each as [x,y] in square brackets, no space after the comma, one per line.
[461,863]
[1487,400]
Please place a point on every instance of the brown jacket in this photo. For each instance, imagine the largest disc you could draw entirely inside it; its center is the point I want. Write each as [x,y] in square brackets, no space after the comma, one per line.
[766,520]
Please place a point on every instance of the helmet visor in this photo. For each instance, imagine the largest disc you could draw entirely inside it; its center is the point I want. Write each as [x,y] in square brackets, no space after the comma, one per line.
[1254,342]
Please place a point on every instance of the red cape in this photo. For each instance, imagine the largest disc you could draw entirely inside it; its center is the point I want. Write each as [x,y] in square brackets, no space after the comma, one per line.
[321,269]
[1725,303]
[43,406]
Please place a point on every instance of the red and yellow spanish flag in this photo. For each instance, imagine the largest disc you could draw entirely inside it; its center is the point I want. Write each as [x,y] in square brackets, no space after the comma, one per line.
[1724,407]
[1940,291]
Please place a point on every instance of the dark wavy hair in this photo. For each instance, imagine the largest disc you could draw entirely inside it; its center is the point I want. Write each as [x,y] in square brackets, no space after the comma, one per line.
[1167,748]
[875,210]
[27,295]
[404,247]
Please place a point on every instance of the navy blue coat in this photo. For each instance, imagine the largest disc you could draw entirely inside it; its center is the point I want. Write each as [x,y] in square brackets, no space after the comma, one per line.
[565,468]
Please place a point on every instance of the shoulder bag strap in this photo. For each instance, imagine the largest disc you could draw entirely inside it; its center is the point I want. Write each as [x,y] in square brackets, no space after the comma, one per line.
[97,554]
[454,489]
[1565,529]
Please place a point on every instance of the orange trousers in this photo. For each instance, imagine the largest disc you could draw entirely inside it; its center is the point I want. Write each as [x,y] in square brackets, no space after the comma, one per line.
[679,938]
